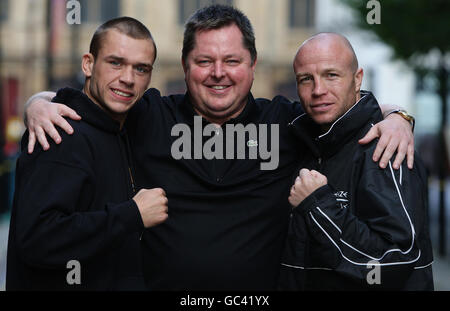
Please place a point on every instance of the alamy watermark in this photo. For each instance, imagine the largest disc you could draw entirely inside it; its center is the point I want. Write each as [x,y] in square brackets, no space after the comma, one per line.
[374,275]
[73,15]
[73,277]
[374,15]
[252,142]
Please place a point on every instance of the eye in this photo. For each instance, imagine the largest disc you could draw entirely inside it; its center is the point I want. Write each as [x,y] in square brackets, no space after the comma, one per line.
[232,61]
[332,75]
[115,63]
[203,62]
[304,79]
[142,69]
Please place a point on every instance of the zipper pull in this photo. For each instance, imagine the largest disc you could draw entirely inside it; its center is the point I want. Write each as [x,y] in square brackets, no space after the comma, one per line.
[319,160]
[132,181]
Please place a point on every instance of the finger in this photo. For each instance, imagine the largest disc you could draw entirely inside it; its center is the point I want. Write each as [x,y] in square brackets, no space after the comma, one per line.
[31,141]
[401,153]
[315,173]
[164,217]
[371,135]
[381,146]
[304,172]
[62,123]
[51,131]
[164,202]
[388,153]
[65,111]
[161,191]
[40,134]
[410,156]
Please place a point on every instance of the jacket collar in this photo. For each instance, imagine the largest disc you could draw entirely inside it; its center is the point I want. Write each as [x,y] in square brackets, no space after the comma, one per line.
[365,111]
[187,112]
[87,109]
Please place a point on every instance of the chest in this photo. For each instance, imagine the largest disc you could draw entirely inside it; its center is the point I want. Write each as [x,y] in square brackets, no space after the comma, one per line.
[343,170]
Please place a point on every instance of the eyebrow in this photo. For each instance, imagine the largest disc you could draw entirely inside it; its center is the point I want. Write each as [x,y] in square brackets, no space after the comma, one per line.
[300,74]
[210,57]
[124,60]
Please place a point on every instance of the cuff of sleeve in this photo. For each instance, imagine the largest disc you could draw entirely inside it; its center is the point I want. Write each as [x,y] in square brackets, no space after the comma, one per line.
[321,196]
[129,216]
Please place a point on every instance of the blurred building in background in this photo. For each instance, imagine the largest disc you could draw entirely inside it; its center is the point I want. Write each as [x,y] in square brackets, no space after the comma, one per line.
[42,51]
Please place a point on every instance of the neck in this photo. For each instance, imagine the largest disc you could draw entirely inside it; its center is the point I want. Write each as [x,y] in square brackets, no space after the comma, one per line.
[115,117]
[325,127]
[219,121]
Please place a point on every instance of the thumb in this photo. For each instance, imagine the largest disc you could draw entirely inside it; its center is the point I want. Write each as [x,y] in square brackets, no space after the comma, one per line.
[371,135]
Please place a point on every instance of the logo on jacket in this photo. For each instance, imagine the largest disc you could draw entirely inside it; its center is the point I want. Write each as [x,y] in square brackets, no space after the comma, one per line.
[342,198]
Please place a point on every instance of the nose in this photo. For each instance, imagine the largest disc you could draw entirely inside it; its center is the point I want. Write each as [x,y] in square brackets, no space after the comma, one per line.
[218,70]
[319,87]
[127,76]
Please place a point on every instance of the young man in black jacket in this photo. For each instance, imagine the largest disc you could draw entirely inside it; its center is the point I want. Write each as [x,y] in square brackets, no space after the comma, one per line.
[354,226]
[77,219]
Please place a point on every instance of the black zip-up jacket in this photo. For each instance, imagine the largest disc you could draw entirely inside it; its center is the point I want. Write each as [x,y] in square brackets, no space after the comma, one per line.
[74,202]
[368,227]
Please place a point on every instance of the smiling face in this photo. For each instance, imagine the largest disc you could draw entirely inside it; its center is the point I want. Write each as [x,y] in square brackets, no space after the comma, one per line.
[219,73]
[327,82]
[120,74]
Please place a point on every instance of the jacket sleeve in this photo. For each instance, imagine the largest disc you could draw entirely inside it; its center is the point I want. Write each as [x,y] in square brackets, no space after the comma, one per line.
[377,228]
[55,221]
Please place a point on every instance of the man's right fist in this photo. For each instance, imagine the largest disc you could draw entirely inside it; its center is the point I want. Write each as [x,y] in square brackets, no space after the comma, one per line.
[305,184]
[152,204]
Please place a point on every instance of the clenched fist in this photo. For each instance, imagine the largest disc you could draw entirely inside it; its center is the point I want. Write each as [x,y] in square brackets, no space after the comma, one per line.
[306,183]
[152,204]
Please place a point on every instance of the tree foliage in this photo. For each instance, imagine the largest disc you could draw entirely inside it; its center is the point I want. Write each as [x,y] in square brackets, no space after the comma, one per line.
[411,27]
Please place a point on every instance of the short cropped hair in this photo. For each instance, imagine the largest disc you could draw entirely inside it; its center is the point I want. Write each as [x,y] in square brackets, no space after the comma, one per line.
[215,17]
[126,25]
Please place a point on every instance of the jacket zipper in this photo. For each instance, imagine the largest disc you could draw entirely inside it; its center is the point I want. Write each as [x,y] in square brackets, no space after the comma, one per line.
[133,185]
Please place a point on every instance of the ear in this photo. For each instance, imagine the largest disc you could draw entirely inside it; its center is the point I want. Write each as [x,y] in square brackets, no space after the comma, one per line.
[183,63]
[254,64]
[358,79]
[87,64]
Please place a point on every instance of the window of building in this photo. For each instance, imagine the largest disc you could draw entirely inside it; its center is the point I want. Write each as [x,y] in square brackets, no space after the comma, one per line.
[187,7]
[301,13]
[99,11]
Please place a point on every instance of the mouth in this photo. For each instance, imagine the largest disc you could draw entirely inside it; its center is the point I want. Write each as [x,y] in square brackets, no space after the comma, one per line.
[123,95]
[321,107]
[218,89]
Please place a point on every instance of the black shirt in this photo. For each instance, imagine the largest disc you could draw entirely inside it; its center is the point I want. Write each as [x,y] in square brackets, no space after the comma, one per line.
[227,217]
[73,202]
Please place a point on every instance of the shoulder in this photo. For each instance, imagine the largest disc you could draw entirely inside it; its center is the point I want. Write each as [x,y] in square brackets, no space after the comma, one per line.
[74,150]
[280,106]
[152,100]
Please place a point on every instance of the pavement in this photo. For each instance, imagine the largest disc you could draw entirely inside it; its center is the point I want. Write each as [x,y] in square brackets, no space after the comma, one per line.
[4,228]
